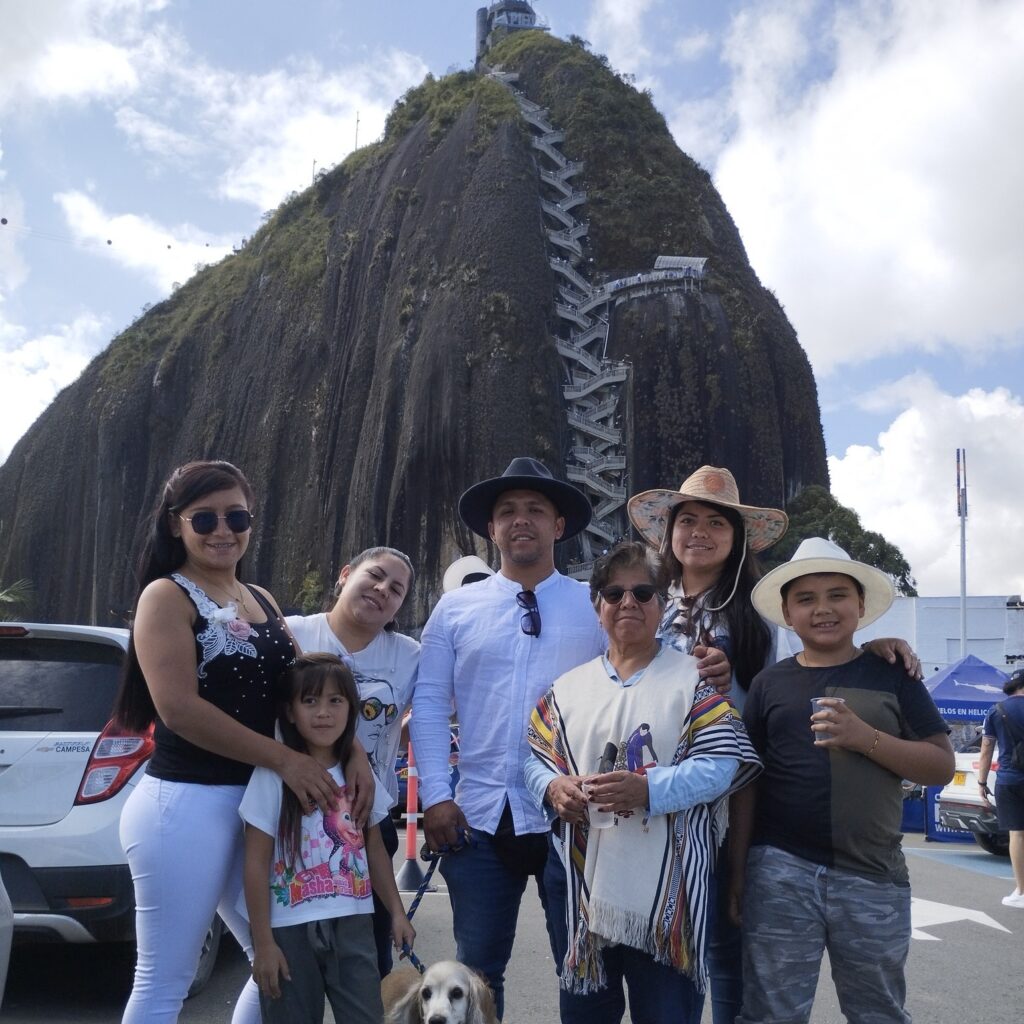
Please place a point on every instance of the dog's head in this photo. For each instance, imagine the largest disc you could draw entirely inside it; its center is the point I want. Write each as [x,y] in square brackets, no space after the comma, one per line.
[448,993]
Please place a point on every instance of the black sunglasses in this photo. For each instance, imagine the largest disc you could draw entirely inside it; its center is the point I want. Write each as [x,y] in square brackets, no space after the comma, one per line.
[530,622]
[641,593]
[238,519]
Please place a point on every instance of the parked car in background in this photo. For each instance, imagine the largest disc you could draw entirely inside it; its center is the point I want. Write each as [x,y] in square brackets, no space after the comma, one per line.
[65,773]
[961,805]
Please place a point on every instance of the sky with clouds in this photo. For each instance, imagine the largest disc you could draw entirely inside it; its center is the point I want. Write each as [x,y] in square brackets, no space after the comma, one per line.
[868,150]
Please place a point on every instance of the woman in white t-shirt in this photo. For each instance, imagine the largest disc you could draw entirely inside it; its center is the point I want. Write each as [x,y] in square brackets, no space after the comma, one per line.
[360,629]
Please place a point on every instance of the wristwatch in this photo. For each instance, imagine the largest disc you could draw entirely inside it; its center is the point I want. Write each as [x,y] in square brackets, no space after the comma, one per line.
[984,785]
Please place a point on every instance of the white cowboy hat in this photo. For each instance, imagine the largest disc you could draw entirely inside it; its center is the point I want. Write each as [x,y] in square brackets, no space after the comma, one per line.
[649,511]
[816,554]
[467,569]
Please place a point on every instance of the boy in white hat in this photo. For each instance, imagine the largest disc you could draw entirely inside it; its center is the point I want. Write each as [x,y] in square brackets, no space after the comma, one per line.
[825,869]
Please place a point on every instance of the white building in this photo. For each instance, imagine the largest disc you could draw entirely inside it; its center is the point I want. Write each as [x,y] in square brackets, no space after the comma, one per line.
[931,625]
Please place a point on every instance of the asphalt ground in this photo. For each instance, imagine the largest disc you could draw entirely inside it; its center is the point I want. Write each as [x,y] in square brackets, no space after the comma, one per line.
[965,962]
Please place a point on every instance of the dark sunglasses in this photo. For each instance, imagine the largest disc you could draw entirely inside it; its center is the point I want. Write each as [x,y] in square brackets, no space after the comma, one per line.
[641,593]
[530,622]
[372,707]
[238,519]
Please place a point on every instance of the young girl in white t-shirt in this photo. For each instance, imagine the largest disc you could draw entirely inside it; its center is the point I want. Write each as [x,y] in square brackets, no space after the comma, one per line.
[307,874]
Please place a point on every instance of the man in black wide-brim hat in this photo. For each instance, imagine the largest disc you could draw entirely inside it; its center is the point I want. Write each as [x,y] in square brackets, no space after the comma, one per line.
[494,647]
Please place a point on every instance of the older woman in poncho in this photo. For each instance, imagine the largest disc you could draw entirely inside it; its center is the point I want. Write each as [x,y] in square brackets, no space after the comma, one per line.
[636,738]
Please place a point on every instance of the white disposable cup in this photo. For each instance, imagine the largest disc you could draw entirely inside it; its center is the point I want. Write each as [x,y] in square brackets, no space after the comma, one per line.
[817,706]
[598,819]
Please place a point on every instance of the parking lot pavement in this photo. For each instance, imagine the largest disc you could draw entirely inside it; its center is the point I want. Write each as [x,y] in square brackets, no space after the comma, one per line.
[962,969]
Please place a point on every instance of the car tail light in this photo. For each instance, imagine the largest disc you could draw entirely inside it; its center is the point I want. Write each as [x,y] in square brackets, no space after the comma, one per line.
[13,631]
[118,754]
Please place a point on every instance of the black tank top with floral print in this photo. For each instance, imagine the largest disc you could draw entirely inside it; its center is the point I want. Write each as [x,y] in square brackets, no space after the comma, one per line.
[239,665]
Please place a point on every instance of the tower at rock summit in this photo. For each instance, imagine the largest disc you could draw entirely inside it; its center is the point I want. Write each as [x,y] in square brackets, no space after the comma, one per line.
[525,264]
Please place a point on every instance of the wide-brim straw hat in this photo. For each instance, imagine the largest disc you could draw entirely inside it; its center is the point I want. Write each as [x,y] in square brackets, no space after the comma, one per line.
[467,569]
[477,503]
[649,511]
[815,555]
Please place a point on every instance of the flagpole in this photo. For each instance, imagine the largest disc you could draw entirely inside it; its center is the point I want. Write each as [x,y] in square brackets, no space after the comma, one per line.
[961,511]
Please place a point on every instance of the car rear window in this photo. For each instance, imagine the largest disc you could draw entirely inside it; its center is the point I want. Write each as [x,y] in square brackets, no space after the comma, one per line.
[57,685]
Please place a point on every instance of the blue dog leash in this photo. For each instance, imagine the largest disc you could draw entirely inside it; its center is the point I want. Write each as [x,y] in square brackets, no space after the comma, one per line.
[465,839]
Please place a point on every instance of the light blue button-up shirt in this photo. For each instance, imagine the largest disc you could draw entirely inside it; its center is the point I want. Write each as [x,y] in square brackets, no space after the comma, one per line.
[475,656]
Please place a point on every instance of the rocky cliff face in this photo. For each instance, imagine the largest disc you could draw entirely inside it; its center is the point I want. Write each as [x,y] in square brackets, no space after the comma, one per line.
[386,339]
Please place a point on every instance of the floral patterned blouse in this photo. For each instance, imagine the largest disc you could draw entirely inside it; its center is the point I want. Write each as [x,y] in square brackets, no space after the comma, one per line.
[238,665]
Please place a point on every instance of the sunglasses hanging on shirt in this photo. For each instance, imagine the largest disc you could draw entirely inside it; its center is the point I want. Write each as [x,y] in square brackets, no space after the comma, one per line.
[530,621]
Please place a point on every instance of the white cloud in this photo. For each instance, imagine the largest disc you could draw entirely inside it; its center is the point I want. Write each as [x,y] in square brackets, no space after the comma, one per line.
[617,30]
[693,45]
[620,32]
[165,255]
[881,203]
[905,487]
[34,369]
[60,50]
[268,129]
[152,136]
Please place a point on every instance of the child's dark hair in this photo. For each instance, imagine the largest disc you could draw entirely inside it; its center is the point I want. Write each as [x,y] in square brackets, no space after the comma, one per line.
[163,553]
[787,586]
[306,677]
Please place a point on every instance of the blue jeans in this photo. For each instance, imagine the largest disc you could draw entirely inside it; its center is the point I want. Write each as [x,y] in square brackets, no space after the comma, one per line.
[725,948]
[485,897]
[658,994]
[793,910]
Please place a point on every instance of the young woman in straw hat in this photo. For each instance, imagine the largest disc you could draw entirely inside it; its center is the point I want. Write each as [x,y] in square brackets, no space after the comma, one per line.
[710,541]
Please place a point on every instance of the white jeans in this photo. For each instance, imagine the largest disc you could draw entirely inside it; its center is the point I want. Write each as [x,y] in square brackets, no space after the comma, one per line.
[184,846]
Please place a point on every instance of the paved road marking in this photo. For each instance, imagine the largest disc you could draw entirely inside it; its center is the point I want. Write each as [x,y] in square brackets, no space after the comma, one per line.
[926,914]
[971,860]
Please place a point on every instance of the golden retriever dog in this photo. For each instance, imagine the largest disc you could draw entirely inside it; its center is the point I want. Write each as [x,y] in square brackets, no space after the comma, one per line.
[448,993]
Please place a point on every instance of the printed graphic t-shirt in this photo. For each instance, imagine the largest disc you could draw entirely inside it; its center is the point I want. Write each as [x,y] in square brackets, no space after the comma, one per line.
[331,877]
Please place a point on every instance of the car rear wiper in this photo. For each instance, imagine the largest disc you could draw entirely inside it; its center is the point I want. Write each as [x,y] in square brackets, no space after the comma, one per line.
[23,710]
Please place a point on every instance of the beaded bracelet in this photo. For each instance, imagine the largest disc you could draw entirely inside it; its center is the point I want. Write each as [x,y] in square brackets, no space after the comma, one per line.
[868,753]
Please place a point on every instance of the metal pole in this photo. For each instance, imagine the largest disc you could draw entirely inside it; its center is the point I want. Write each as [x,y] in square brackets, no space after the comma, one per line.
[961,508]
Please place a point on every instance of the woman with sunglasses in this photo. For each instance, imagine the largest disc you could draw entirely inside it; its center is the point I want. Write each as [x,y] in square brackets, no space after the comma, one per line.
[636,754]
[360,629]
[709,541]
[204,657]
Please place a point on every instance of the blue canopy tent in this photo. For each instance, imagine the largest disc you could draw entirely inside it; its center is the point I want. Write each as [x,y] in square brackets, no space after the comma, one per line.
[967,689]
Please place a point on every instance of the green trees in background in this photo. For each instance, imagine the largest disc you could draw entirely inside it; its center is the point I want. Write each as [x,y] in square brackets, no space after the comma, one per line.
[816,513]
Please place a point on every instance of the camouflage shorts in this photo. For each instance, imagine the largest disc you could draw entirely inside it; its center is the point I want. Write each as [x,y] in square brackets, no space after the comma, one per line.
[793,910]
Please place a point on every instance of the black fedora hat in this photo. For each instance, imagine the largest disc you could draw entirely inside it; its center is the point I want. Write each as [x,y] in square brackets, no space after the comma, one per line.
[477,503]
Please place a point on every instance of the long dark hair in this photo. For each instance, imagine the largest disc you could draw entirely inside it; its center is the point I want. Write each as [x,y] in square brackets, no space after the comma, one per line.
[163,553]
[307,677]
[730,595]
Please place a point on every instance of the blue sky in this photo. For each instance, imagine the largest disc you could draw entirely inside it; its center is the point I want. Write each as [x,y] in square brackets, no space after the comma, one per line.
[869,151]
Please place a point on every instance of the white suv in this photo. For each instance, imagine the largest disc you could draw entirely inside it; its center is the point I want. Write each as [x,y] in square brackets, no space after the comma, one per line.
[961,805]
[65,773]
